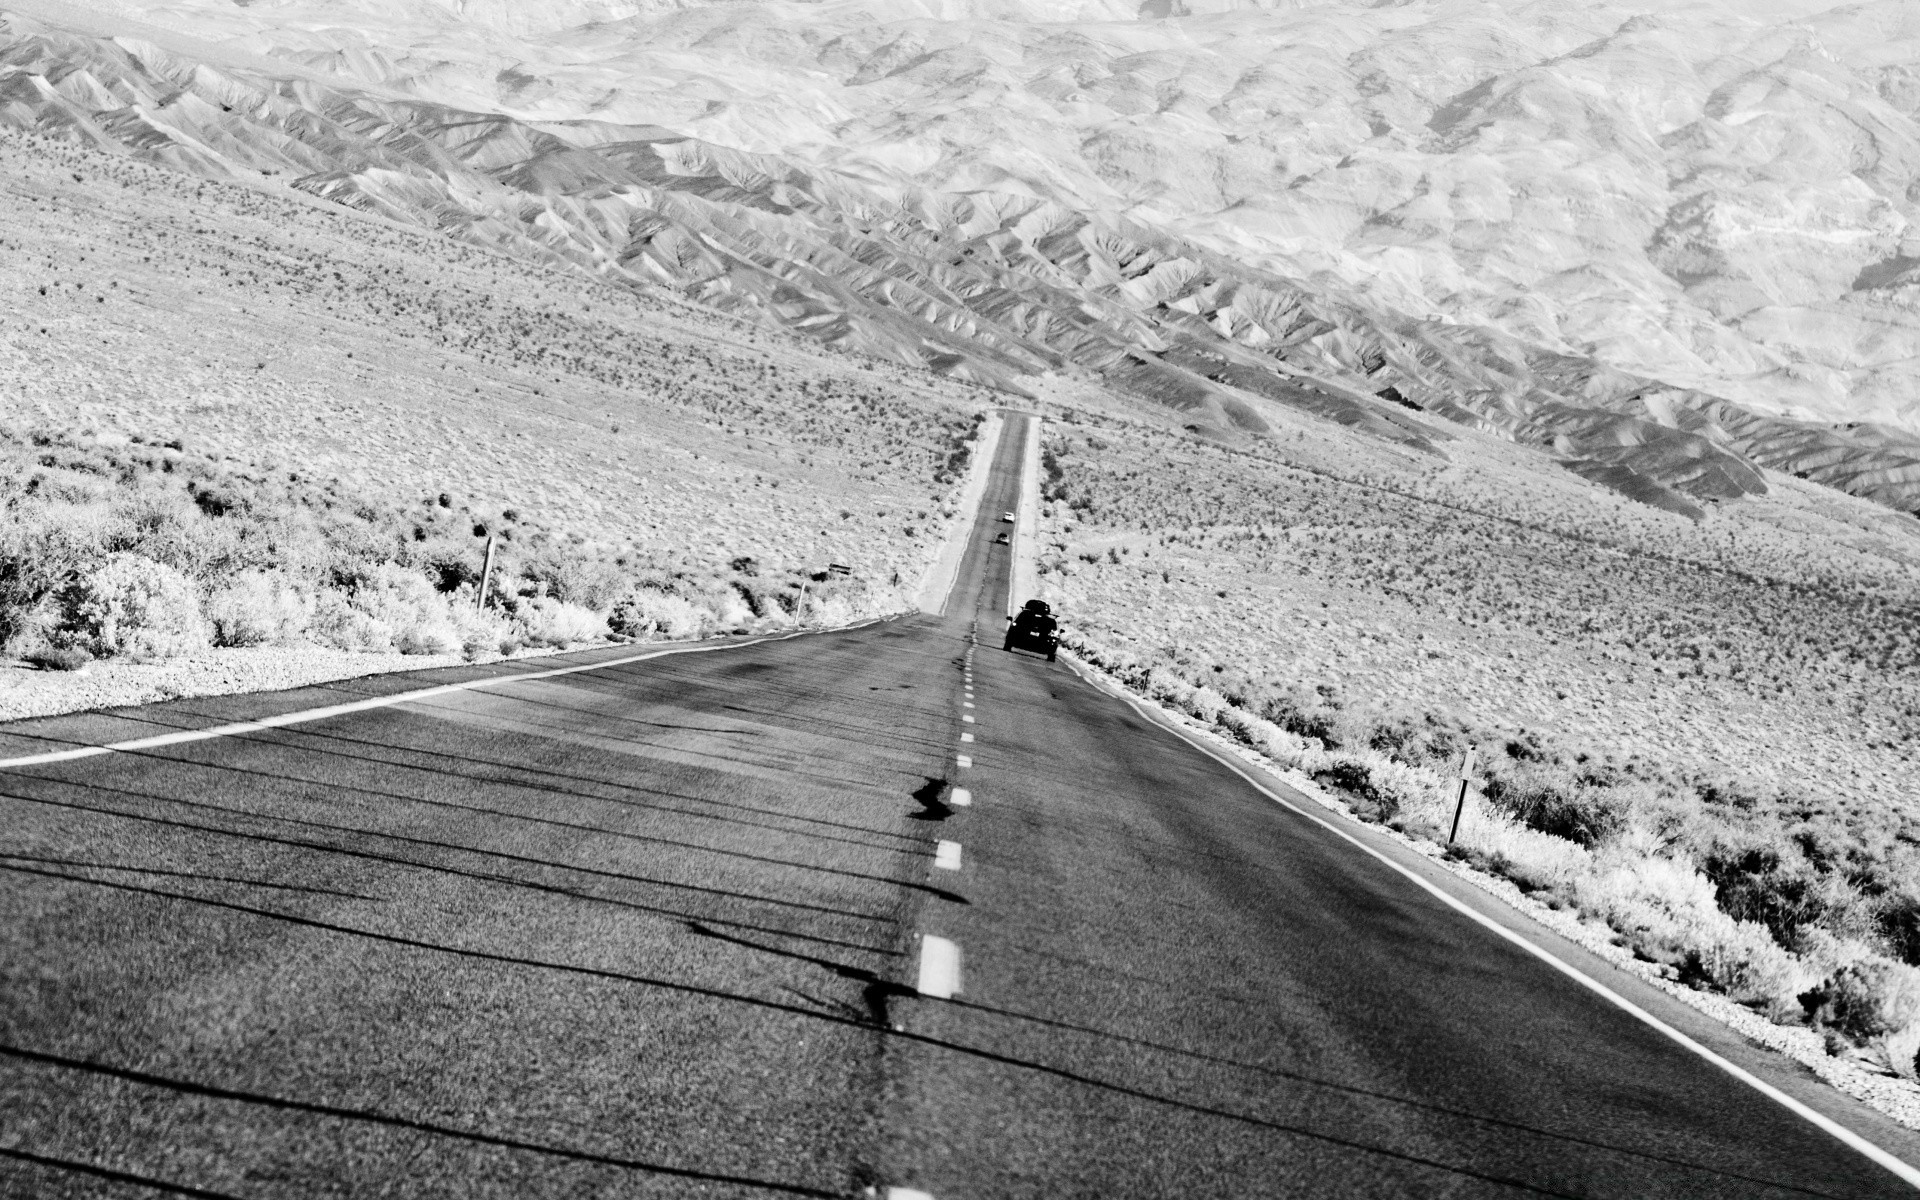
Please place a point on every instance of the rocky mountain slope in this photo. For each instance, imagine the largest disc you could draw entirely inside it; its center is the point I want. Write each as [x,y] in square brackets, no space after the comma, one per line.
[1671,248]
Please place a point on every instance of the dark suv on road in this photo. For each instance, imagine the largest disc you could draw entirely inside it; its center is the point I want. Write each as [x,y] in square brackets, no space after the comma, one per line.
[1033,629]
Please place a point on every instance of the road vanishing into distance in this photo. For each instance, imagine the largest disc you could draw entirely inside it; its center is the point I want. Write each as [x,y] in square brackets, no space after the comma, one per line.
[680,927]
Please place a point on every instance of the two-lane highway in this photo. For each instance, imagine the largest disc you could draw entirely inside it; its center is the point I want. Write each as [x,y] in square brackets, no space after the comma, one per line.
[663,928]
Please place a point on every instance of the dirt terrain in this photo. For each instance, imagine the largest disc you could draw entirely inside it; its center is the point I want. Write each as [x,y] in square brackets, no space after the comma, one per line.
[134,300]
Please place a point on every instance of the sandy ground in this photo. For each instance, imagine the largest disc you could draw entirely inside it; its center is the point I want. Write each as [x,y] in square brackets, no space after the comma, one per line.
[27,692]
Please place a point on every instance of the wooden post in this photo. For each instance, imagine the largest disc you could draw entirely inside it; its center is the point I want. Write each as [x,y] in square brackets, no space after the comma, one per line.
[486,575]
[1460,805]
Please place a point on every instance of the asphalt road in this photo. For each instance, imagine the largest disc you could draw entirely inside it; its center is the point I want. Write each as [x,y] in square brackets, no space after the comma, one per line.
[654,929]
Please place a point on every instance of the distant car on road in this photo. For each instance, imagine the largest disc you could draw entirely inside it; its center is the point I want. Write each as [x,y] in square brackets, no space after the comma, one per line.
[1033,629]
[1007,517]
[1001,540]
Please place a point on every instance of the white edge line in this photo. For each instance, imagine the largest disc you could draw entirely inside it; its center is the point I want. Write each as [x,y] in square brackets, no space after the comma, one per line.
[306,715]
[1898,1166]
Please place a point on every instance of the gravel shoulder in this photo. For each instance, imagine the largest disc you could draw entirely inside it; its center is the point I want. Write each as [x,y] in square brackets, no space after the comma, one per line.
[28,692]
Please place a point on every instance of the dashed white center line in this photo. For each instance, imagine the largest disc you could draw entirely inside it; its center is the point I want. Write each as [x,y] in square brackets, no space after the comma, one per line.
[900,1193]
[939,968]
[966,737]
[946,856]
[967,718]
[961,797]
[961,760]
[967,703]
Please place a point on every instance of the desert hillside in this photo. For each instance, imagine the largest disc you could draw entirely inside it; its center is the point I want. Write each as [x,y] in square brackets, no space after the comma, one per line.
[1697,735]
[238,417]
[140,301]
[1671,247]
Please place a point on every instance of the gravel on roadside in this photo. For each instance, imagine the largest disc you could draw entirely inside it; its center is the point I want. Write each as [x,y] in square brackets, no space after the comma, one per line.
[28,692]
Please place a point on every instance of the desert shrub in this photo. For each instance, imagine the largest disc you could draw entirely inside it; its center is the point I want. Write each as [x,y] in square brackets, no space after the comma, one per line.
[337,623]
[1871,1003]
[355,548]
[1417,742]
[1743,961]
[1764,883]
[407,604]
[1535,861]
[37,553]
[257,608]
[1356,780]
[1662,907]
[57,658]
[479,631]
[545,621]
[429,637]
[733,613]
[576,575]
[1300,718]
[1206,704]
[1897,920]
[1550,799]
[124,604]
[450,566]
[166,526]
[645,614]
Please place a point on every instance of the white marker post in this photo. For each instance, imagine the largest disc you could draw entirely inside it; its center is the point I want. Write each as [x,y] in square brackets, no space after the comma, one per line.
[486,575]
[1460,805]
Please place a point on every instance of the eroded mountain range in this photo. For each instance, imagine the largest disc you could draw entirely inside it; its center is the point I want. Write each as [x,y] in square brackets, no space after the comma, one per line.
[1671,248]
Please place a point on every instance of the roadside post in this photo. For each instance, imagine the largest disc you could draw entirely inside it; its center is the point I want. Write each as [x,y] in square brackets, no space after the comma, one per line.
[486,574]
[1460,804]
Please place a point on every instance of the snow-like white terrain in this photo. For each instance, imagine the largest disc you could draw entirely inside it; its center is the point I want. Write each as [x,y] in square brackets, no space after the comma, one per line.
[1672,241]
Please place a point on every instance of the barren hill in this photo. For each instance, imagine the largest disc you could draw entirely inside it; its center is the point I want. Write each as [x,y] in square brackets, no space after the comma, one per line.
[138,302]
[1669,247]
